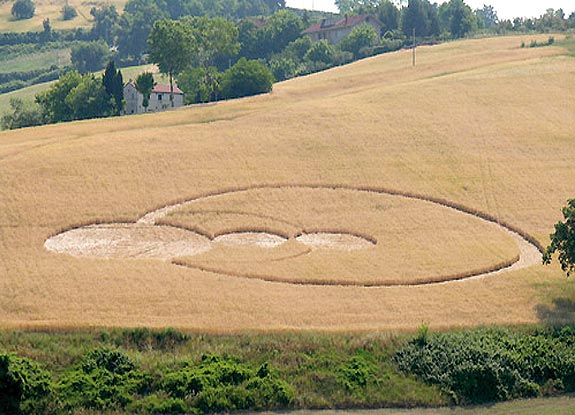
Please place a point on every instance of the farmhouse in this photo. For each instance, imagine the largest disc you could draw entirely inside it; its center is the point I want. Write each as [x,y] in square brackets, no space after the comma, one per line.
[334,30]
[159,99]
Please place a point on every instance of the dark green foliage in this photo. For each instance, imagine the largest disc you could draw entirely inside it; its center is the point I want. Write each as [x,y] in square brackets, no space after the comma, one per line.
[75,97]
[246,78]
[321,51]
[282,28]
[358,372]
[144,85]
[159,403]
[200,84]
[361,37]
[535,44]
[90,56]
[563,239]
[23,385]
[68,12]
[15,80]
[106,19]
[105,379]
[114,86]
[46,34]
[283,68]
[221,384]
[53,100]
[420,15]
[23,9]
[492,365]
[457,18]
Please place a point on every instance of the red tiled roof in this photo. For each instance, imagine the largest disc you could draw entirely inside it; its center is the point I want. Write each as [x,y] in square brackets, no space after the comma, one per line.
[165,89]
[347,21]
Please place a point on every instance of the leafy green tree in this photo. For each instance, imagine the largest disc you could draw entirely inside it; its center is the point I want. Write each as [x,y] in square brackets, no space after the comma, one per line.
[362,36]
[389,15]
[21,115]
[249,38]
[144,85]
[283,67]
[106,20]
[135,26]
[217,40]
[68,12]
[114,86]
[297,49]
[281,28]
[46,35]
[321,51]
[200,84]
[89,99]
[172,47]
[457,18]
[563,240]
[23,9]
[53,101]
[487,17]
[344,6]
[246,78]
[421,15]
[90,56]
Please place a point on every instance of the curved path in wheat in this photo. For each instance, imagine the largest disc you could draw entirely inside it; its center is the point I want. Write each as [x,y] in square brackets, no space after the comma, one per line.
[148,239]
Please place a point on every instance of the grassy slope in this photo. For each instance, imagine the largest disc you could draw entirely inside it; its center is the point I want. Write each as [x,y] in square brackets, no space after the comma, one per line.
[39,60]
[482,123]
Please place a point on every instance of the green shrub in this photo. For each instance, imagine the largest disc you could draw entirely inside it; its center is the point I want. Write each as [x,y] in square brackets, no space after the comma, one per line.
[23,385]
[358,372]
[105,379]
[68,12]
[23,9]
[246,78]
[159,404]
[492,365]
[222,384]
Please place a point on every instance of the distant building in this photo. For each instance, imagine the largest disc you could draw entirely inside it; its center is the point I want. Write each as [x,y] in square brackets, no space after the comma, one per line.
[159,99]
[334,30]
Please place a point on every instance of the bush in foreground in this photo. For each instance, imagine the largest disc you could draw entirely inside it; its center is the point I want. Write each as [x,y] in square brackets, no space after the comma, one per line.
[23,385]
[492,365]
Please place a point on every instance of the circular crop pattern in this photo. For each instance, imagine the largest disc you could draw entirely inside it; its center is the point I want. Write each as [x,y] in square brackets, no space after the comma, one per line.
[312,235]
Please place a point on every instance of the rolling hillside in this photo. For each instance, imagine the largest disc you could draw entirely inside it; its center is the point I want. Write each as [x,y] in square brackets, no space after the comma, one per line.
[371,150]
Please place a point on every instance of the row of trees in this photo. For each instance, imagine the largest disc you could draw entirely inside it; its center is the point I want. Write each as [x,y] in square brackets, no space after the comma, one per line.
[451,19]
[129,31]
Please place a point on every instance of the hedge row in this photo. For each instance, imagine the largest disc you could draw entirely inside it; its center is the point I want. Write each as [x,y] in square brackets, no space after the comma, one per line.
[107,379]
[493,365]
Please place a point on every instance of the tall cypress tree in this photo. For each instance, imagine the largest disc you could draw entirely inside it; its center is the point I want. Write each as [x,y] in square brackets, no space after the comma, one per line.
[114,85]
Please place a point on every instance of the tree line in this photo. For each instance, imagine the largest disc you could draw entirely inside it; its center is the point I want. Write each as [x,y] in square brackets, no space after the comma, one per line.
[212,58]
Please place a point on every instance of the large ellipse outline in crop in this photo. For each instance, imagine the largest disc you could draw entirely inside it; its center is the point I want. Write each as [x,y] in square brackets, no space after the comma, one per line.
[530,249]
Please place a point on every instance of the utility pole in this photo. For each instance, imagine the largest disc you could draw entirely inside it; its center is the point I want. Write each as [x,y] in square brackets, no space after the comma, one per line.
[414,46]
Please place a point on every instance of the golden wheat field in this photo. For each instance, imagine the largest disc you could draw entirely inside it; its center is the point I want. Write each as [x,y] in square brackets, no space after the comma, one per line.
[337,202]
[52,9]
